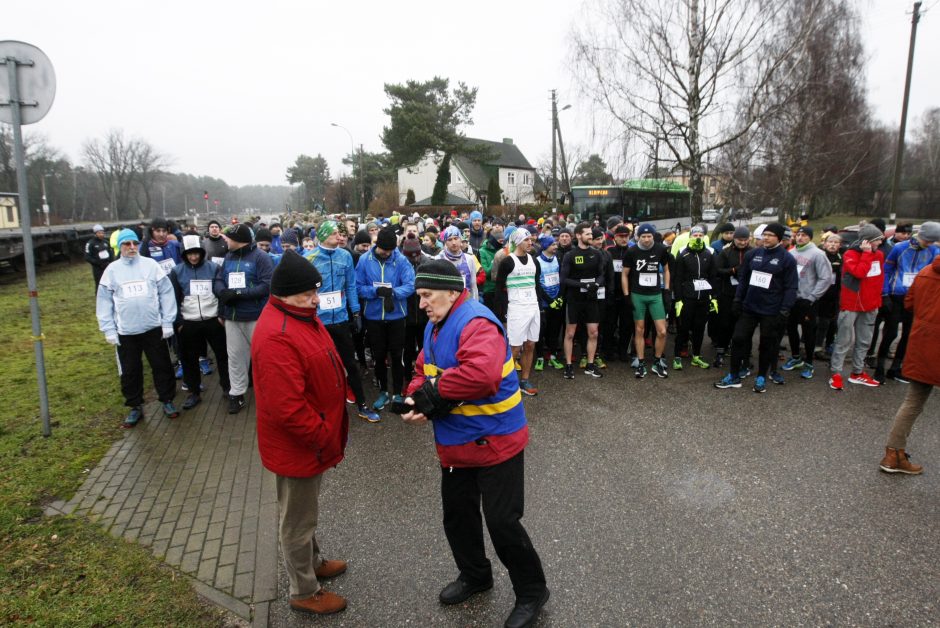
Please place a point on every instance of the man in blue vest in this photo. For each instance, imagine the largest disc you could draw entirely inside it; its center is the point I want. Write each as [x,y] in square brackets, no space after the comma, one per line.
[481,432]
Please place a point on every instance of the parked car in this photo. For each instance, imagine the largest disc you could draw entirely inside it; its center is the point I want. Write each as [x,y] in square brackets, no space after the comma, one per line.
[769,211]
[711,215]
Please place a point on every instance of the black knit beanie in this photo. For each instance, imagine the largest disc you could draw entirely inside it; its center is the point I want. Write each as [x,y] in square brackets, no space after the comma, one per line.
[386,239]
[294,275]
[438,274]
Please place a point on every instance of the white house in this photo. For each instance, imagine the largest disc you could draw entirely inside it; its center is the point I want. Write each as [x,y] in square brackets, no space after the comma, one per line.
[470,179]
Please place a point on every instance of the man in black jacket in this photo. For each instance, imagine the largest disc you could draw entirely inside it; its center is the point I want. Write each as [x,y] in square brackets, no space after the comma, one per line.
[98,253]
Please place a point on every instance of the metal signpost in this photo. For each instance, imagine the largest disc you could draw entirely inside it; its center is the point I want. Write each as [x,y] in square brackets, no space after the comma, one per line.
[27,90]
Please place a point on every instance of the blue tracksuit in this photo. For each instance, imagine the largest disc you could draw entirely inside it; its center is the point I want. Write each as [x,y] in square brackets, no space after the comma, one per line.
[339,276]
[902,265]
[371,273]
[781,286]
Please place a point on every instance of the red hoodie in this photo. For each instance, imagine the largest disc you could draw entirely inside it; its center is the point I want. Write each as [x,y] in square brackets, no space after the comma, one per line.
[862,280]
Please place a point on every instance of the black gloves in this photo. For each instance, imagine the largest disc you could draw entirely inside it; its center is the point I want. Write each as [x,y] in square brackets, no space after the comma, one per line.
[383,291]
[356,321]
[227,295]
[592,289]
[429,402]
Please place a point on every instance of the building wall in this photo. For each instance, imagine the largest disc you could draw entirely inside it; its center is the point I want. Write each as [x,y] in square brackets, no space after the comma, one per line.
[515,185]
[420,179]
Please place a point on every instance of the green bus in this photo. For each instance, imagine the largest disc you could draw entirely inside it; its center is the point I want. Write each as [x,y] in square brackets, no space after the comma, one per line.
[665,204]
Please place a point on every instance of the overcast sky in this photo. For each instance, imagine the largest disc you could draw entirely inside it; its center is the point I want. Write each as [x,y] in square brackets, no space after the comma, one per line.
[237,90]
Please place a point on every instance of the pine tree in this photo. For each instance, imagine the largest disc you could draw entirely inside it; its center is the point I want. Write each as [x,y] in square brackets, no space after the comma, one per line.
[494,194]
[410,197]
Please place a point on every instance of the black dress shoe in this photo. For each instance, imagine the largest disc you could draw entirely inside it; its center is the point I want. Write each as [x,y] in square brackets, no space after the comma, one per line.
[525,613]
[458,591]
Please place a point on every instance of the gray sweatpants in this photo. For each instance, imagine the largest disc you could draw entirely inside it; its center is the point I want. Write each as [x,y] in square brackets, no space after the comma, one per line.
[855,328]
[298,506]
[238,343]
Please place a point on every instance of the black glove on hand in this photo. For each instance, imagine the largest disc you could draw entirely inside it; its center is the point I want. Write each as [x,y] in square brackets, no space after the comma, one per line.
[356,321]
[592,289]
[383,291]
[429,402]
[227,295]
[737,308]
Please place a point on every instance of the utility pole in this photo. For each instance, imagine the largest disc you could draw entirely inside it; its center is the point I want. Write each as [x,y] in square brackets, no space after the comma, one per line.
[362,189]
[564,163]
[899,156]
[554,158]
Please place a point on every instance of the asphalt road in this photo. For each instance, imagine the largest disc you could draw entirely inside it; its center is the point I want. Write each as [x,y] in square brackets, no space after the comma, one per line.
[660,502]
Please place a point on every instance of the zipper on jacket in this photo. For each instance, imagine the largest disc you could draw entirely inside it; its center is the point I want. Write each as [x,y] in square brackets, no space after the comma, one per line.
[335,369]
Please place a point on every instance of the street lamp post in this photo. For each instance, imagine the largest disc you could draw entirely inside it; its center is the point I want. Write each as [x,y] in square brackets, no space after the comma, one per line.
[352,154]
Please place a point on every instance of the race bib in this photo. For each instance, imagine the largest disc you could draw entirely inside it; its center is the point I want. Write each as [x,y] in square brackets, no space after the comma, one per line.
[167,265]
[331,300]
[649,280]
[236,280]
[134,289]
[908,279]
[875,269]
[701,284]
[103,255]
[618,265]
[601,292]
[381,284]
[217,260]
[551,279]
[527,294]
[761,280]
[200,288]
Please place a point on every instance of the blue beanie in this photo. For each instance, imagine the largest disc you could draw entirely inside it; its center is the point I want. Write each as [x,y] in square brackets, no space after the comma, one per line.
[546,241]
[475,215]
[508,231]
[127,235]
[645,228]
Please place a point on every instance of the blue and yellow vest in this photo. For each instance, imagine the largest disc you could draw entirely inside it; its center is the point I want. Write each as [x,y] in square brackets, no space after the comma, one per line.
[499,414]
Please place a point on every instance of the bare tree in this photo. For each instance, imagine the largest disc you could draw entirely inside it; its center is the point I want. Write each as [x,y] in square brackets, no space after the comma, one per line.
[123,164]
[924,161]
[678,74]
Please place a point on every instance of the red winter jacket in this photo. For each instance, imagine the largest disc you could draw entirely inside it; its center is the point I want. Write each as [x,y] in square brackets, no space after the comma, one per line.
[923,297]
[862,280]
[300,392]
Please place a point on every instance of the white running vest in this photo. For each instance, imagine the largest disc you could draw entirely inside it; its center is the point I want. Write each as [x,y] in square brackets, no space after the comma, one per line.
[520,283]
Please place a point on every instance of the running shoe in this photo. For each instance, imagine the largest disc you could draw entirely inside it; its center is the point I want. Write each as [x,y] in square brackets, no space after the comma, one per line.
[204,367]
[583,363]
[719,361]
[591,369]
[398,399]
[808,371]
[879,375]
[677,364]
[381,402]
[528,389]
[660,368]
[699,362]
[192,401]
[864,379]
[744,373]
[170,410]
[760,384]
[776,378]
[728,381]
[350,397]
[179,371]
[640,370]
[569,371]
[235,403]
[792,363]
[635,363]
[369,415]
[599,361]
[136,414]
[835,381]
[555,364]
[540,364]
[895,374]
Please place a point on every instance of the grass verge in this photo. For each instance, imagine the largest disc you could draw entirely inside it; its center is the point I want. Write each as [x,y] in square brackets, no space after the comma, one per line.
[66,571]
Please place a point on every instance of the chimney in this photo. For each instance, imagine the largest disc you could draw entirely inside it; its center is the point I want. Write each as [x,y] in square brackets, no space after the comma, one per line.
[507,140]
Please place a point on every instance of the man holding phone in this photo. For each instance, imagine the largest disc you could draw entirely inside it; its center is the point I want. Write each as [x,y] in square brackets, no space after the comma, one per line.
[481,432]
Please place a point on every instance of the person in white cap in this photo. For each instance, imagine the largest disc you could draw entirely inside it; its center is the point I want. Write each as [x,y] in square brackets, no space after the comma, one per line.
[98,253]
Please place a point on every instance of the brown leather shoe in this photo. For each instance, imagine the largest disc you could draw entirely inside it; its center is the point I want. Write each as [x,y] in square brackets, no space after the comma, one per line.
[897,461]
[320,603]
[331,568]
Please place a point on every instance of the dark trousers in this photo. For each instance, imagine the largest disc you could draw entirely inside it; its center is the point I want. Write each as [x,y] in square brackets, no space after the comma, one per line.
[803,315]
[501,488]
[691,323]
[724,324]
[97,272]
[769,342]
[130,355]
[897,316]
[414,342]
[341,333]
[618,327]
[387,339]
[550,331]
[192,337]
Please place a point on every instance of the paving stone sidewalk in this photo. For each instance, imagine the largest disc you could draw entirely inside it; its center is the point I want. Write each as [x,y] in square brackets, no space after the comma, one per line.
[193,490]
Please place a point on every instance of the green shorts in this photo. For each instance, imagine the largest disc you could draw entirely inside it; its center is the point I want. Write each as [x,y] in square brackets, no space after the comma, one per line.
[652,303]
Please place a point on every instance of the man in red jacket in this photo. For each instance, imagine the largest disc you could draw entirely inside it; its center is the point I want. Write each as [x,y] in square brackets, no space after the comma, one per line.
[920,366]
[300,390]
[860,298]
